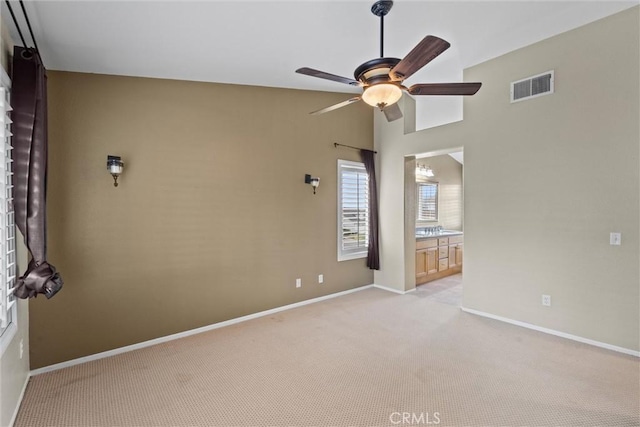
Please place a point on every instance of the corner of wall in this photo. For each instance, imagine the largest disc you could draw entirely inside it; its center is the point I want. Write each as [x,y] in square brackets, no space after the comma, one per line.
[409,223]
[409,113]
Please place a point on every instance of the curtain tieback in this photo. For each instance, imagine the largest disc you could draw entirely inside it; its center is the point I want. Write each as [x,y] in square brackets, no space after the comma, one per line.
[39,279]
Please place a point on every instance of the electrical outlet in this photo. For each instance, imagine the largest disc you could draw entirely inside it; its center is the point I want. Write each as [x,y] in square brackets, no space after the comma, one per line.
[546,300]
[615,239]
[298,283]
[21,348]
[320,278]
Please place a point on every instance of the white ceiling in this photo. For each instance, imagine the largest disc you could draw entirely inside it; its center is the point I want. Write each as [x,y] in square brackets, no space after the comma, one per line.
[264,42]
[458,157]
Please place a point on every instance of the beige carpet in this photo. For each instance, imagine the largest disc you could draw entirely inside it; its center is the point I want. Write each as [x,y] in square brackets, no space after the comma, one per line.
[362,360]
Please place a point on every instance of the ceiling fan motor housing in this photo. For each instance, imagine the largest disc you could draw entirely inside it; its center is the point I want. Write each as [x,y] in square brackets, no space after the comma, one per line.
[375,71]
[382,7]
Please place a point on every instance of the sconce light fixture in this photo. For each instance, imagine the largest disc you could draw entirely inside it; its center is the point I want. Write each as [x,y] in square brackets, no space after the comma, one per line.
[115,165]
[314,181]
[426,171]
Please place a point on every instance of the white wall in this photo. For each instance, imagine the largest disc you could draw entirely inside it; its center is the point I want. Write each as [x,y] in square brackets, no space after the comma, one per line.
[545,180]
[14,369]
[448,175]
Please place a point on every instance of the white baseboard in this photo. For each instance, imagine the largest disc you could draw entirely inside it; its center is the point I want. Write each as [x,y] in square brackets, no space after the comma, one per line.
[395,291]
[15,412]
[554,332]
[190,332]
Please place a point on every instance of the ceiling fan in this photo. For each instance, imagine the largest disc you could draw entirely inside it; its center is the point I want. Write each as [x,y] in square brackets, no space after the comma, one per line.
[382,78]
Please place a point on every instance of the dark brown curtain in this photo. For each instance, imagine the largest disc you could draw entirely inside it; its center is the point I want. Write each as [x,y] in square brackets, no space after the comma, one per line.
[29,102]
[373,254]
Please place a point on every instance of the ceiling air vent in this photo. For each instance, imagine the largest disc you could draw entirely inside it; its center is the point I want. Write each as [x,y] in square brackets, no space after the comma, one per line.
[532,87]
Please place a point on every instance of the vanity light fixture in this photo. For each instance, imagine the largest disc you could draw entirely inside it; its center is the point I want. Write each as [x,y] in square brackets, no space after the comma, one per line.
[429,172]
[314,181]
[426,171]
[115,165]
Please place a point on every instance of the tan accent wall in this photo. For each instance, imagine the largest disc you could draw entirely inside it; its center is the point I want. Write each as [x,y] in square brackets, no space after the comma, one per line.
[546,180]
[448,175]
[212,219]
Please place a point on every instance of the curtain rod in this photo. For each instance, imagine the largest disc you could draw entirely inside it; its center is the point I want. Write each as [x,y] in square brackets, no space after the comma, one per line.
[26,17]
[15,21]
[335,144]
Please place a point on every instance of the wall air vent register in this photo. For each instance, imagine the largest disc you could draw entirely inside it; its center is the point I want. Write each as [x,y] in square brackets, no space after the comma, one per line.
[532,87]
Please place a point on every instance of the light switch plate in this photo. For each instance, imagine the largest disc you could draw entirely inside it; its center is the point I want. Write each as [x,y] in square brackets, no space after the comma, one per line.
[298,283]
[615,239]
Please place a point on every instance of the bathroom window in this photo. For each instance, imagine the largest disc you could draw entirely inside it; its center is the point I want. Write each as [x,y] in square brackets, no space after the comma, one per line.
[427,209]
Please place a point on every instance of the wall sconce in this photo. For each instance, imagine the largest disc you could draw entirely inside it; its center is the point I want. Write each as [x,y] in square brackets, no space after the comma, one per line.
[425,171]
[115,165]
[308,179]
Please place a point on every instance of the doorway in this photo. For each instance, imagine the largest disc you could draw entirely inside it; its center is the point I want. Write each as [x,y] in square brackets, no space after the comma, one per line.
[435,216]
[447,290]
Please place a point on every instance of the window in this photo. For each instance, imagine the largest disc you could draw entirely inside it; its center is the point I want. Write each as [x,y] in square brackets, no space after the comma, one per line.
[8,315]
[353,210]
[427,201]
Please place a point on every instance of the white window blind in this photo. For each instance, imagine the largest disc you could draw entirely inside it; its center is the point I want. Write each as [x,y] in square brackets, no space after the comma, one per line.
[353,210]
[7,221]
[427,201]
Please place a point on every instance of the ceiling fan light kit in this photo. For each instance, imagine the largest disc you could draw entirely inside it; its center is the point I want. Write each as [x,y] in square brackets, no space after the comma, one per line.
[381,95]
[382,78]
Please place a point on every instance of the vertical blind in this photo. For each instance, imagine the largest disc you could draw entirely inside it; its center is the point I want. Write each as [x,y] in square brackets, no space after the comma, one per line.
[354,208]
[7,220]
[427,202]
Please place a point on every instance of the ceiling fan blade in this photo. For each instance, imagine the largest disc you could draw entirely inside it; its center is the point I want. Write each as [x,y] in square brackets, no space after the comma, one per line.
[445,89]
[426,51]
[392,112]
[336,106]
[322,75]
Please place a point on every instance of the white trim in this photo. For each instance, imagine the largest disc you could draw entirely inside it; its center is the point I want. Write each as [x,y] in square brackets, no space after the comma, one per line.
[352,255]
[7,223]
[349,255]
[4,78]
[9,333]
[24,389]
[554,332]
[395,291]
[190,332]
